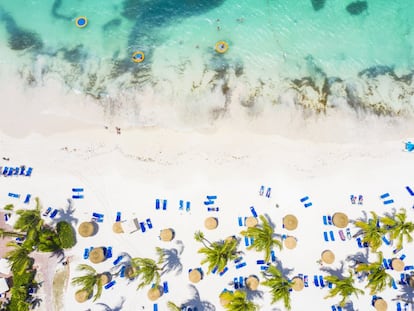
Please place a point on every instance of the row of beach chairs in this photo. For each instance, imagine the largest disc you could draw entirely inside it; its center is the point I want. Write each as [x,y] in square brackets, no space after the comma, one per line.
[13,171]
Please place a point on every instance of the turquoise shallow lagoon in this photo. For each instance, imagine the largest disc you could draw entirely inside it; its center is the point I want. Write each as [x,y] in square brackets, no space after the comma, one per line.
[314,54]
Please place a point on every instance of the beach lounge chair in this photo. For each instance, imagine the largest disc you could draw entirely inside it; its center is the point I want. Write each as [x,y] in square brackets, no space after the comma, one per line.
[108,253]
[238,259]
[29,171]
[388,202]
[273,256]
[11,171]
[142,226]
[236,283]
[393,284]
[306,280]
[122,272]
[118,216]
[384,239]
[315,280]
[16,171]
[209,202]
[253,211]
[385,195]
[360,199]
[339,308]
[402,257]
[22,170]
[269,190]
[342,235]
[110,284]
[149,223]
[348,233]
[264,268]
[385,264]
[221,273]
[157,204]
[399,306]
[241,265]
[155,307]
[187,206]
[211,197]
[212,209]
[180,205]
[77,189]
[117,260]
[97,215]
[260,262]
[246,241]
[329,217]
[331,234]
[410,191]
[49,209]
[403,279]
[5,170]
[304,199]
[14,195]
[164,205]
[261,191]
[333,308]
[54,213]
[78,196]
[165,287]
[214,270]
[240,221]
[321,282]
[308,204]
[395,251]
[241,282]
[325,220]
[406,268]
[86,253]
[27,199]
[325,236]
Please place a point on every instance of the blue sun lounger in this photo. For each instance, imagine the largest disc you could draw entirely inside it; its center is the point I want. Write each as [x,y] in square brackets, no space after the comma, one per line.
[29,171]
[385,195]
[386,241]
[253,211]
[224,271]
[240,221]
[264,267]
[165,287]
[27,199]
[325,236]
[11,172]
[157,204]
[209,202]
[306,280]
[212,209]
[117,260]
[385,264]
[118,216]
[238,259]
[325,220]
[155,307]
[164,205]
[399,306]
[142,226]
[108,253]
[321,282]
[77,196]
[331,234]
[241,265]
[260,262]
[403,279]
[304,199]
[77,189]
[406,268]
[86,252]
[315,280]
[393,284]
[14,195]
[388,202]
[410,191]
[241,282]
[149,223]
[187,206]
[214,270]
[308,204]
[110,284]
[246,241]
[49,209]
[273,256]
[54,213]
[333,308]
[211,197]
[236,283]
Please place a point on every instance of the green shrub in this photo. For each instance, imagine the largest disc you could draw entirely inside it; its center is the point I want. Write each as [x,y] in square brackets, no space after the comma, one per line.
[66,234]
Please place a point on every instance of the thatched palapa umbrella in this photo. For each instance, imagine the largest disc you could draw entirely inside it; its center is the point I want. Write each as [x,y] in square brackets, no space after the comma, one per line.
[290,242]
[195,276]
[298,284]
[117,227]
[86,229]
[154,293]
[328,256]
[251,222]
[211,223]
[82,295]
[381,305]
[105,278]
[340,220]
[252,282]
[167,234]
[97,255]
[397,264]
[290,222]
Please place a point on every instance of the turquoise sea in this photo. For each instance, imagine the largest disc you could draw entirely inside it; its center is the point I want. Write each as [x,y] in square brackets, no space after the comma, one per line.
[318,55]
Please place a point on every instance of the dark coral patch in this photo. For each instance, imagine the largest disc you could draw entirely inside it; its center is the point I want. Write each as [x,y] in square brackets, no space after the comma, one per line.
[318,4]
[357,7]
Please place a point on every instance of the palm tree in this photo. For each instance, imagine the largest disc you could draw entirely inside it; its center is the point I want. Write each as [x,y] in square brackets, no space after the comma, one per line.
[90,281]
[217,254]
[371,231]
[148,269]
[172,306]
[13,234]
[237,301]
[399,228]
[29,219]
[263,237]
[19,258]
[279,286]
[343,287]
[378,278]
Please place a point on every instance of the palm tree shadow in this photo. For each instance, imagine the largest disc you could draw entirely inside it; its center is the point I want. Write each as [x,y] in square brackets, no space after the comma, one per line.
[172,261]
[196,301]
[349,306]
[59,254]
[279,266]
[66,214]
[252,294]
[271,223]
[337,272]
[118,307]
[407,295]
[357,258]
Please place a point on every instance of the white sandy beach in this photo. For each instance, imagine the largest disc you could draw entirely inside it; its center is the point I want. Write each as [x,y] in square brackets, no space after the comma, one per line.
[128,172]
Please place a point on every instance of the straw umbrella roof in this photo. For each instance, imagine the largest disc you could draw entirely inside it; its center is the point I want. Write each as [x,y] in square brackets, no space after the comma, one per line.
[195,276]
[397,264]
[290,242]
[82,295]
[97,255]
[167,234]
[223,301]
[251,222]
[86,229]
[340,220]
[290,222]
[211,223]
[105,278]
[328,256]
[117,227]
[381,305]
[298,284]
[154,293]
[252,282]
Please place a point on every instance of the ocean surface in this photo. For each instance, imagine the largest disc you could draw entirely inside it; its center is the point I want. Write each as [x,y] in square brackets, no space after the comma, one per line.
[306,55]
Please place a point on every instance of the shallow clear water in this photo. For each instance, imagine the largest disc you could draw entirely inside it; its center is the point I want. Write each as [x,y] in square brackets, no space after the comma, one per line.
[271,44]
